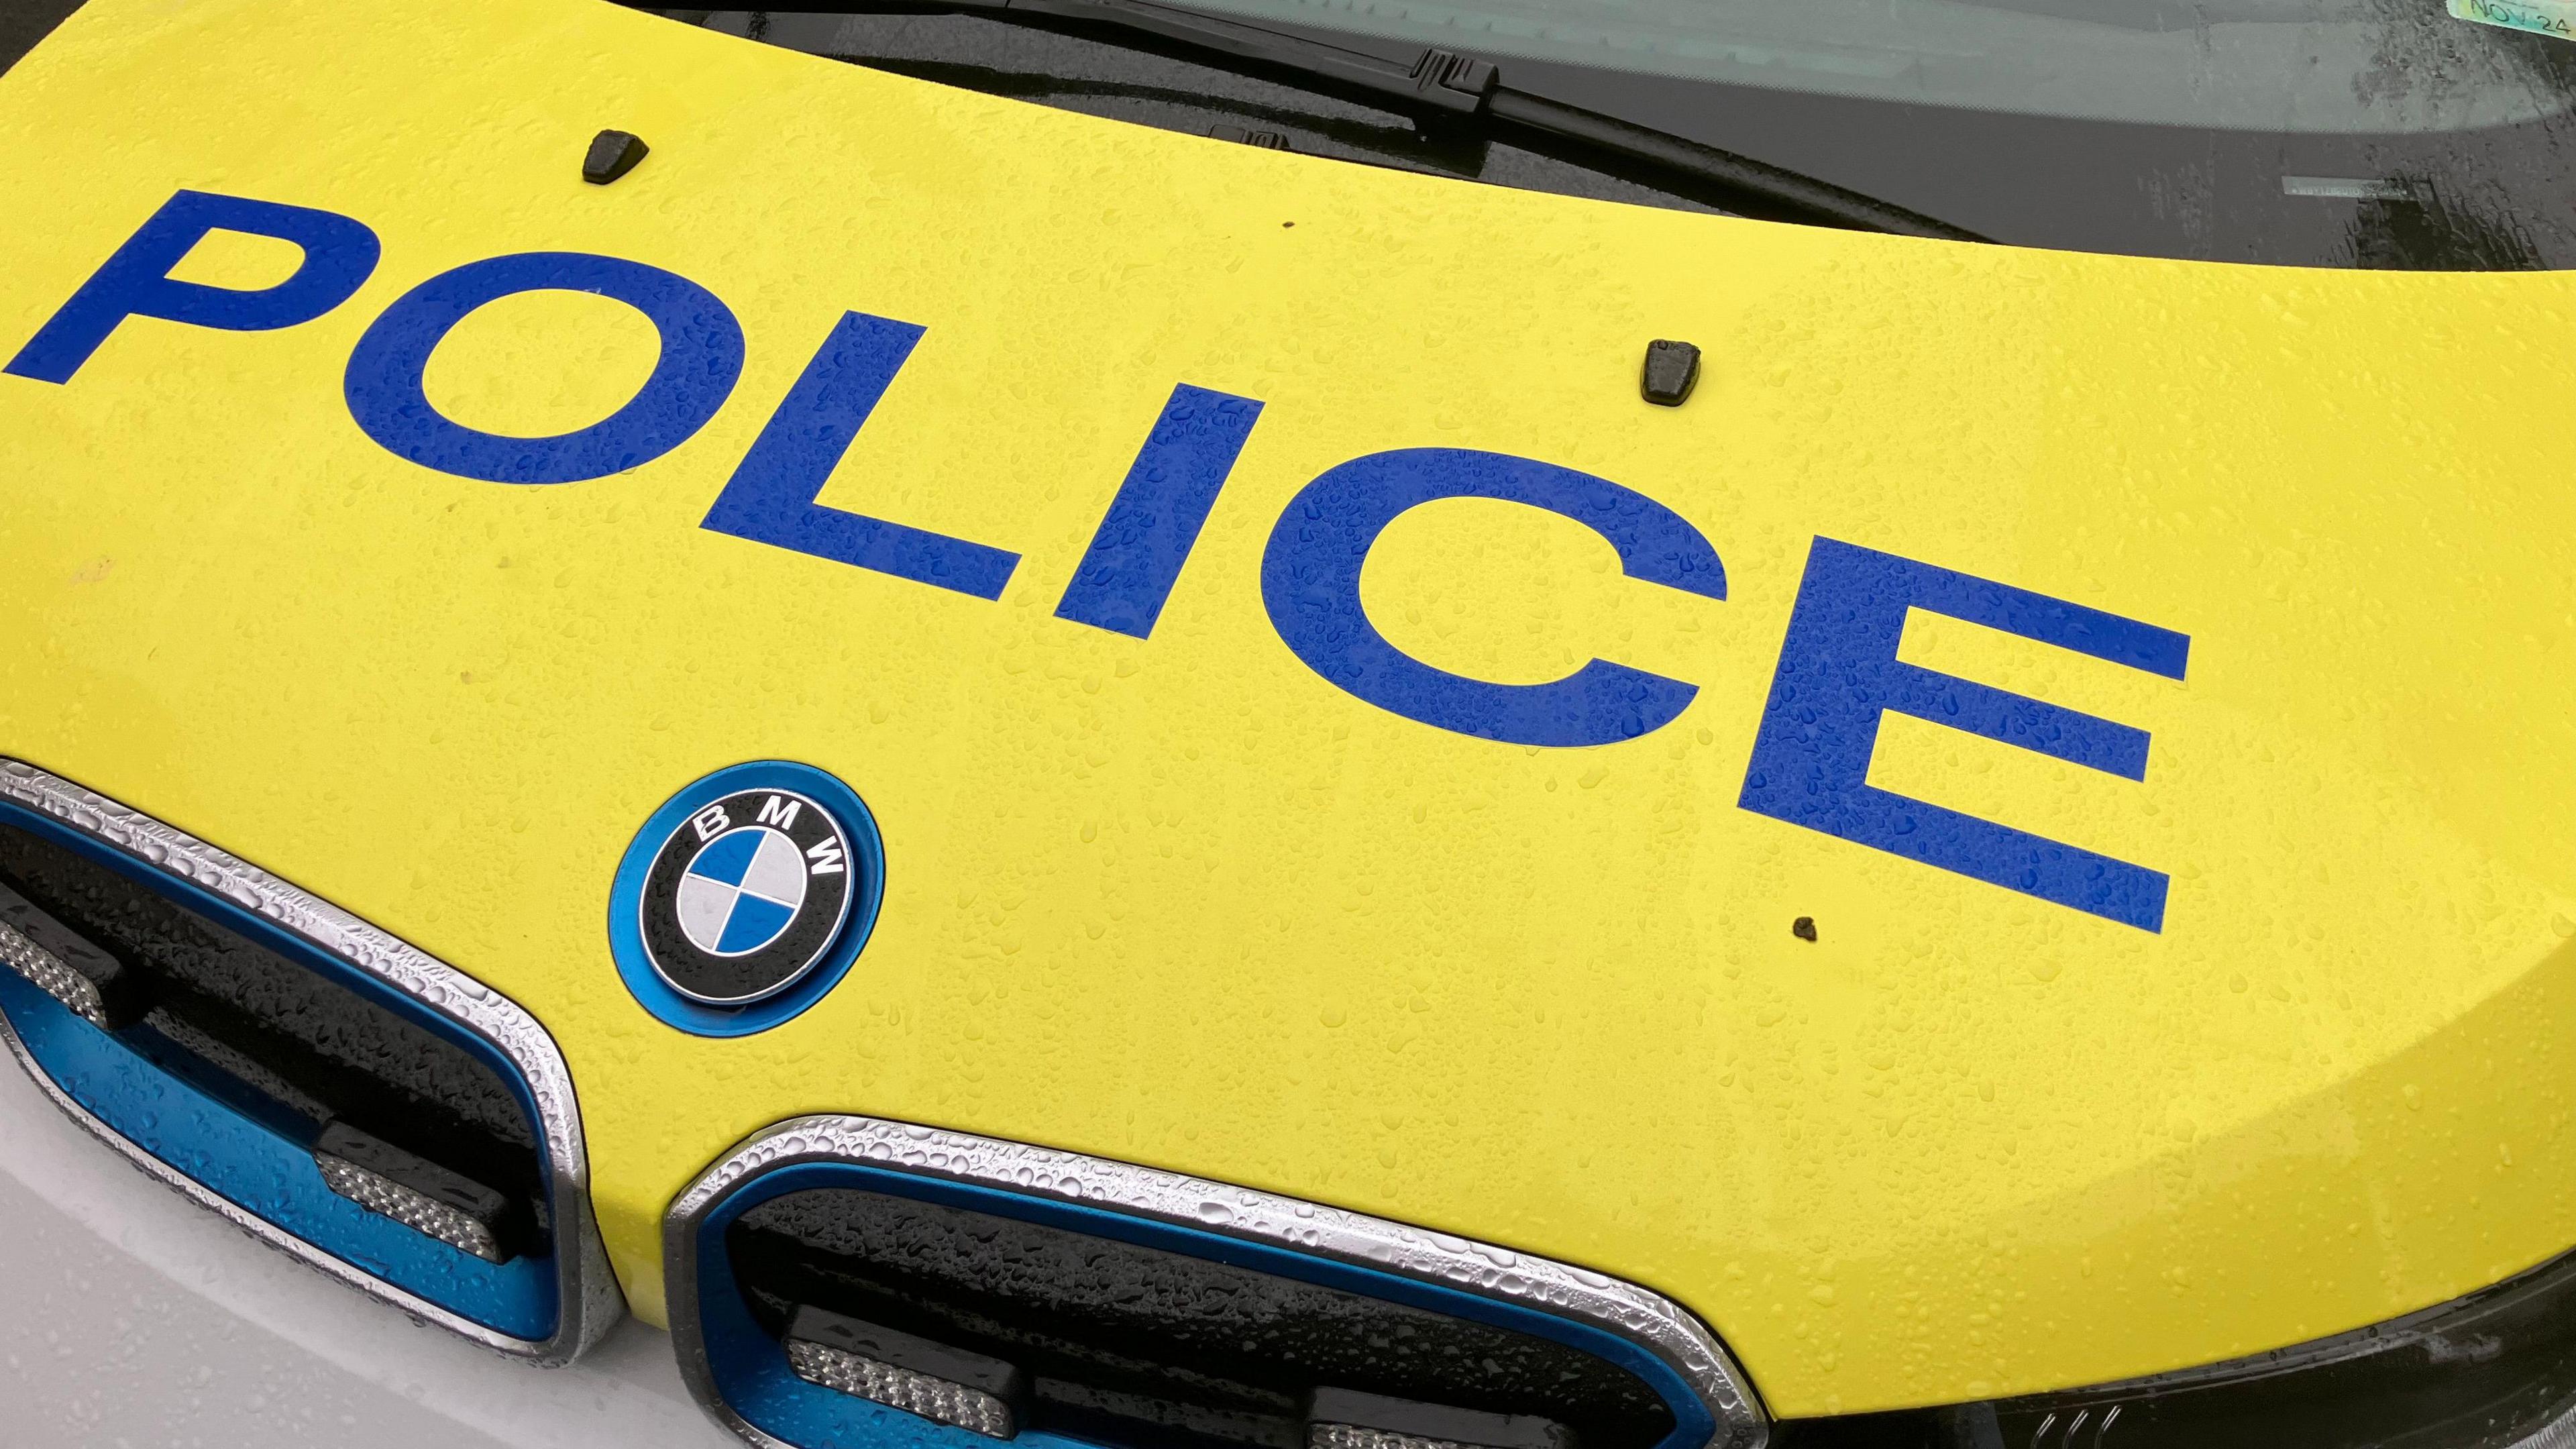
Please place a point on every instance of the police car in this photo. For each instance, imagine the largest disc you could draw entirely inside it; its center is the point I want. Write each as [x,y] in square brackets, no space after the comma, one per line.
[1528,724]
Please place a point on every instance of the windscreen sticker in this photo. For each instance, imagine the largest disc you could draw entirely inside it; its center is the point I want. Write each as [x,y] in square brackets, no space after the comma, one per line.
[2541,17]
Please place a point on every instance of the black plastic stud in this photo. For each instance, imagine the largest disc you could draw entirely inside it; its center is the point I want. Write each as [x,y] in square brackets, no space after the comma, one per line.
[1266,140]
[418,1193]
[1453,81]
[613,154]
[1377,1415]
[1672,370]
[105,991]
[968,1390]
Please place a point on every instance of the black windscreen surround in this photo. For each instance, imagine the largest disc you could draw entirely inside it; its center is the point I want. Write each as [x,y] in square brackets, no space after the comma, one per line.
[1141,1346]
[2493,1370]
[24,22]
[282,1042]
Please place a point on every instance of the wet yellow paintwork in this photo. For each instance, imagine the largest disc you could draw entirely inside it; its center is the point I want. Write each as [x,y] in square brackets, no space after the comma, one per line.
[1182,902]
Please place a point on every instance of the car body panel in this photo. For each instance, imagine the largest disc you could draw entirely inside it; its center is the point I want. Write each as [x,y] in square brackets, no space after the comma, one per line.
[1184,902]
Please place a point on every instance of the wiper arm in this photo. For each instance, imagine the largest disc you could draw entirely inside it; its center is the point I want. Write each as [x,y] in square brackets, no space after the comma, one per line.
[1460,88]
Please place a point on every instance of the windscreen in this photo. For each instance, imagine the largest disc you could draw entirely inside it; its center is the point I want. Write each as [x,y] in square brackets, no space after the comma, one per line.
[2350,66]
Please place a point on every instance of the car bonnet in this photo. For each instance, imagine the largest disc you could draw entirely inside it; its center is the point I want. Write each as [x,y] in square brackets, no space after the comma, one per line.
[2233,1018]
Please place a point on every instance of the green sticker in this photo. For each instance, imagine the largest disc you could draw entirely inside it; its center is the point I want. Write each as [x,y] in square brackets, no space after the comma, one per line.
[2542,17]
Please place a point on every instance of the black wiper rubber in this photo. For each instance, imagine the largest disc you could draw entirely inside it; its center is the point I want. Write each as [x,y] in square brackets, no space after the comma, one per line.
[1790,195]
[1461,88]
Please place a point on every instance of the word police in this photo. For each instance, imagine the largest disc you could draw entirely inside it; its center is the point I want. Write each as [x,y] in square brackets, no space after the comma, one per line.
[1837,674]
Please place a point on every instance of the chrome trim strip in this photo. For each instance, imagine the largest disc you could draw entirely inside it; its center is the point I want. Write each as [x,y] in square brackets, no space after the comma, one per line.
[587,1293]
[1657,1323]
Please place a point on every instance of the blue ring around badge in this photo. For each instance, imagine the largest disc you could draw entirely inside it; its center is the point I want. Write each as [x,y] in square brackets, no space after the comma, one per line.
[625,899]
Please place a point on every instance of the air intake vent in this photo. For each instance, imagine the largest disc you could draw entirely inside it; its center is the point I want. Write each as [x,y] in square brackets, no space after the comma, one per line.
[336,1092]
[842,1280]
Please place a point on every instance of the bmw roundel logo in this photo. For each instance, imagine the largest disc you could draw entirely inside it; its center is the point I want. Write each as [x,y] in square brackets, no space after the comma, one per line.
[745,897]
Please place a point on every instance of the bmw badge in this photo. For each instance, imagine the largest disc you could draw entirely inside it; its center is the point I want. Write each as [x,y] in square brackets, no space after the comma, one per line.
[745,897]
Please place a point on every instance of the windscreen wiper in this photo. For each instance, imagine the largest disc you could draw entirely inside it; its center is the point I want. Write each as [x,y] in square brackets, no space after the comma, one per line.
[1444,85]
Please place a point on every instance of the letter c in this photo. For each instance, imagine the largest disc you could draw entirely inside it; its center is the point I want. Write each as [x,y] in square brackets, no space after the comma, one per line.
[1310,582]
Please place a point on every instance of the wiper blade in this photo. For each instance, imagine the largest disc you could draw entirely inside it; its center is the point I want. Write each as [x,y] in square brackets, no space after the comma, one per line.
[1790,195]
[1458,88]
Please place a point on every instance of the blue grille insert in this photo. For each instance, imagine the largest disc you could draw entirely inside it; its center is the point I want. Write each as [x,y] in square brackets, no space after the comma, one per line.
[1103,1376]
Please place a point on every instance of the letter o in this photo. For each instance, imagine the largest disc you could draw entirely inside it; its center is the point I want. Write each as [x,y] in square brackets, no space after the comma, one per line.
[700,362]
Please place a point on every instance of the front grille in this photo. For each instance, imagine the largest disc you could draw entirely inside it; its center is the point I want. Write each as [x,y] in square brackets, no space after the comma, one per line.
[1130,1344]
[340,1094]
[838,1270]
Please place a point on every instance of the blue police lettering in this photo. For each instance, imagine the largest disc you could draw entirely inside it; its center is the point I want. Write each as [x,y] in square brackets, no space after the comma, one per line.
[1136,555]
[700,359]
[1310,582]
[339,255]
[771,497]
[1837,673]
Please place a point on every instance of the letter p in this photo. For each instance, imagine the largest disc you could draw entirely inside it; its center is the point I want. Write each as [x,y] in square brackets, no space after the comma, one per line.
[339,255]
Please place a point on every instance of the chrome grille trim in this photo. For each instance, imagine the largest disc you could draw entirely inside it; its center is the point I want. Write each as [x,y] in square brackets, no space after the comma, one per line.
[589,1300]
[1649,1319]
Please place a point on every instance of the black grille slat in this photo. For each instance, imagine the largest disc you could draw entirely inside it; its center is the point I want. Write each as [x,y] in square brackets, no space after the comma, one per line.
[176,1044]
